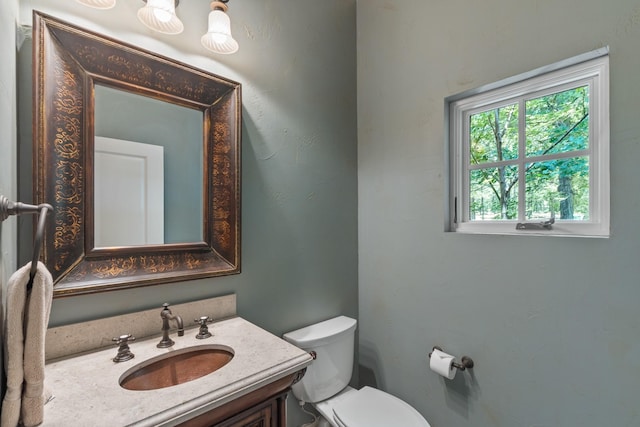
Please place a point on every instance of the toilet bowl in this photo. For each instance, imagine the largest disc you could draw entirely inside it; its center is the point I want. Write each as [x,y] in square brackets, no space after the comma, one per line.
[325,384]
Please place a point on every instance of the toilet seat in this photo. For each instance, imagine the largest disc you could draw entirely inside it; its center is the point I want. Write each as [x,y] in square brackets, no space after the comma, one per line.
[370,407]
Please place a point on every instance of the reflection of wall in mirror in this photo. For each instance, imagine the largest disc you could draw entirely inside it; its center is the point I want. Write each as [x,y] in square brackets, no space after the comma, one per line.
[129,193]
[132,117]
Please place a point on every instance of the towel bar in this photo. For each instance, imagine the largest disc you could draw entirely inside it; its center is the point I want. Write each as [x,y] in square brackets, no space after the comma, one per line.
[8,208]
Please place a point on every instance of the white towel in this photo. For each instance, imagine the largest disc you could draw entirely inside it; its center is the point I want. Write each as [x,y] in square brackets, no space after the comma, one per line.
[24,346]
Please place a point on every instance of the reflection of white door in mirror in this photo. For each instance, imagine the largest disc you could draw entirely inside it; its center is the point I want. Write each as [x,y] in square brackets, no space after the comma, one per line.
[129,193]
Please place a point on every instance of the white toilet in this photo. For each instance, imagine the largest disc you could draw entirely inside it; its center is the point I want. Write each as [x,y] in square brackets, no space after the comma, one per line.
[325,384]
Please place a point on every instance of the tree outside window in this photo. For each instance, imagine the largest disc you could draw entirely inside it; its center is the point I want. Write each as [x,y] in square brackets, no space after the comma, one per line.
[555,124]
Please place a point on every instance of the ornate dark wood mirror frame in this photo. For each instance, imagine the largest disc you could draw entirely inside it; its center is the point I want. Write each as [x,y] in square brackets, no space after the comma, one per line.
[68,61]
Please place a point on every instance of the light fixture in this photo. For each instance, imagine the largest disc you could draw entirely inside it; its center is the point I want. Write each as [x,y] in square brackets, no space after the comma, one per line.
[160,16]
[98,4]
[218,38]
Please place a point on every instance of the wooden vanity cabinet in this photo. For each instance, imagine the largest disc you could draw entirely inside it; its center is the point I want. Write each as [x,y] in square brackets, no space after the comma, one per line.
[264,407]
[266,414]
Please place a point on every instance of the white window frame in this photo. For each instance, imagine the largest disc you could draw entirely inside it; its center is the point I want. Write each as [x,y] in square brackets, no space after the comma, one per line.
[590,69]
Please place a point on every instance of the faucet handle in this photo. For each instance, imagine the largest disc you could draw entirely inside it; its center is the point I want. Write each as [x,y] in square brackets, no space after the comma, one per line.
[203,320]
[123,339]
[124,352]
[203,332]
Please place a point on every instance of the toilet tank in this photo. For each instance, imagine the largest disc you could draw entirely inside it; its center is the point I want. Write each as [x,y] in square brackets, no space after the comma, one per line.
[333,344]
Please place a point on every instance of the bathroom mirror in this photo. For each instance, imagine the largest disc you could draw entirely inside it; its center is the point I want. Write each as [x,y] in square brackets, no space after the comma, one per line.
[77,132]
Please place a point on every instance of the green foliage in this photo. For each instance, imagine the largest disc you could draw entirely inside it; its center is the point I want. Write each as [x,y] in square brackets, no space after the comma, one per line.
[494,135]
[486,202]
[554,123]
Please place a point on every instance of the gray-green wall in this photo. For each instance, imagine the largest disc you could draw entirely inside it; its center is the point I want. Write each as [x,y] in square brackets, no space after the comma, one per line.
[552,323]
[299,187]
[297,67]
[8,150]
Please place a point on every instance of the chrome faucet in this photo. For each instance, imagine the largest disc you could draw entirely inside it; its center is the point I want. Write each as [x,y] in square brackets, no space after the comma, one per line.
[166,316]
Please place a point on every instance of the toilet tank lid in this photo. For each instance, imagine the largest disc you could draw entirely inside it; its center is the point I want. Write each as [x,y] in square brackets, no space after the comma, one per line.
[322,332]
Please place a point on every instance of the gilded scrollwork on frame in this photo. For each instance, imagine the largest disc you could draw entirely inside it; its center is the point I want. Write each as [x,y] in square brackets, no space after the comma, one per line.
[68,61]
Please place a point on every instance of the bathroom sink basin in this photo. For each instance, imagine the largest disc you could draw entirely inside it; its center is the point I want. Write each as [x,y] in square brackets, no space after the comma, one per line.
[177,367]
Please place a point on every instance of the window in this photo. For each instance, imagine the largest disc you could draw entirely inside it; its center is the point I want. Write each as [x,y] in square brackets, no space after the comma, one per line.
[530,155]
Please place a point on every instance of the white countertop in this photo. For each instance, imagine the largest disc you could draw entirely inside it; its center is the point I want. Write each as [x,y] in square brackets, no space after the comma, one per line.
[86,387]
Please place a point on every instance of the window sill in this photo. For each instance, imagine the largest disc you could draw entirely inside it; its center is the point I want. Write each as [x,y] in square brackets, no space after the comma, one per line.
[559,229]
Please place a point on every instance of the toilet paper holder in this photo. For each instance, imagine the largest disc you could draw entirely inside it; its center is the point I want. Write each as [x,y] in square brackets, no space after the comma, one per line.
[466,361]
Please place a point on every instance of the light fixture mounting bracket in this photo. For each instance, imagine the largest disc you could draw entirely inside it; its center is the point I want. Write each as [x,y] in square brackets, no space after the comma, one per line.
[176,2]
[219,5]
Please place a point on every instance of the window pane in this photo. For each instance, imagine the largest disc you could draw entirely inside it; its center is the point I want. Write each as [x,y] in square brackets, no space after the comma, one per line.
[493,193]
[493,135]
[558,123]
[558,188]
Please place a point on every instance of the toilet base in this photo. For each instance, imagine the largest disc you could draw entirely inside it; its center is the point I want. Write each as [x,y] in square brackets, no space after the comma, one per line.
[318,422]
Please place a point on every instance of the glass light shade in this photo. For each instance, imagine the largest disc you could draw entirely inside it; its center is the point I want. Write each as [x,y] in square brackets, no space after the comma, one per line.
[98,4]
[160,16]
[218,38]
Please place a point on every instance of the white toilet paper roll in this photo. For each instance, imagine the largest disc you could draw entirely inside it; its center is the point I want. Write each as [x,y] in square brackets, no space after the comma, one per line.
[442,363]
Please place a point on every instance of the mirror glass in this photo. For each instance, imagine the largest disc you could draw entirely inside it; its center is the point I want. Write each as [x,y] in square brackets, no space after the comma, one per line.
[148,170]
